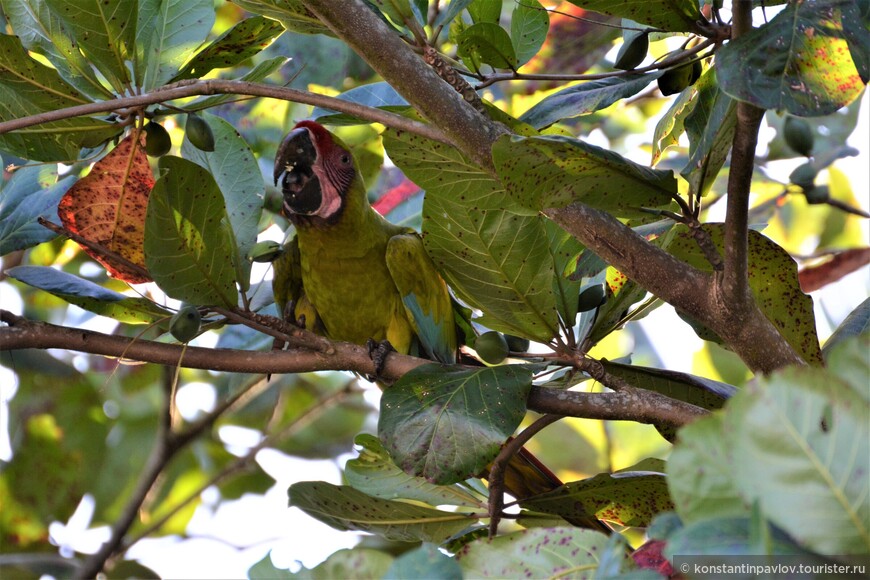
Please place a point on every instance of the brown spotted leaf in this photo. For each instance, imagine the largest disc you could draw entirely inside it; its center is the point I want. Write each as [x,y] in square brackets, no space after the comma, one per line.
[108,206]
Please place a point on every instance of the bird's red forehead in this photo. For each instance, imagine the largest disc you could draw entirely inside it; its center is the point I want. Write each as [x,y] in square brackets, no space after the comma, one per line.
[318,132]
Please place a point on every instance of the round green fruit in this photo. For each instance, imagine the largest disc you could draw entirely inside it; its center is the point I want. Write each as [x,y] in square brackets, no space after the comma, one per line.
[632,52]
[591,298]
[491,347]
[817,194]
[199,133]
[804,175]
[799,135]
[674,80]
[185,324]
[517,343]
[157,141]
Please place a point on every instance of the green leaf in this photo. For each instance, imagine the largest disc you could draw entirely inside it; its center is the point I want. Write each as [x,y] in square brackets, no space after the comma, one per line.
[700,472]
[167,35]
[774,283]
[529,25]
[452,10]
[293,14]
[672,124]
[856,324]
[397,10]
[236,45]
[710,126]
[41,31]
[629,498]
[375,474]
[699,391]
[105,32]
[495,260]
[255,75]
[484,10]
[564,248]
[847,359]
[424,562]
[345,508]
[239,179]
[534,553]
[379,94]
[554,171]
[446,424]
[669,15]
[90,296]
[28,87]
[802,437]
[799,62]
[188,241]
[486,43]
[584,98]
[32,192]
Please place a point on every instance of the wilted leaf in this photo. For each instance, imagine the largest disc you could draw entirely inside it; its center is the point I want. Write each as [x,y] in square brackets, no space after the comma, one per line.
[375,473]
[446,424]
[345,508]
[108,207]
[188,242]
[239,43]
[801,61]
[534,553]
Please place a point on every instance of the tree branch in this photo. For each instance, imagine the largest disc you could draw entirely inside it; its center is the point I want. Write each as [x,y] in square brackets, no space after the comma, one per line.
[213,87]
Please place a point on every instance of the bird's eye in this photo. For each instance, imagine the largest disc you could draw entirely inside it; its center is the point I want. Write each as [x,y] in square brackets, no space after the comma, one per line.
[345,159]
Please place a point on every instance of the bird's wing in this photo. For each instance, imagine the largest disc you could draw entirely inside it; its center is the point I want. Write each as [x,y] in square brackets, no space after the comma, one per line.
[424,295]
[288,289]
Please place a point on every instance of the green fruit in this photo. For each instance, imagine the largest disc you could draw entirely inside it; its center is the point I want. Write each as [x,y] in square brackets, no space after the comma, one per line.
[199,133]
[491,347]
[591,298]
[817,194]
[799,135]
[676,79]
[265,251]
[185,324]
[157,141]
[697,69]
[804,175]
[274,201]
[632,52]
[517,343]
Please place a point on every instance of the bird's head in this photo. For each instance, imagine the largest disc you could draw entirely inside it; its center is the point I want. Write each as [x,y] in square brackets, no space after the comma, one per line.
[315,171]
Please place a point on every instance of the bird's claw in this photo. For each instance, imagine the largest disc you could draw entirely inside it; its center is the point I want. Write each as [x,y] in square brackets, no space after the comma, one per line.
[378,352]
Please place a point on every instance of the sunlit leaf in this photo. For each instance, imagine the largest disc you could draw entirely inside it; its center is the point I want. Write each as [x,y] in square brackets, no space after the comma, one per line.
[291,13]
[105,32]
[345,508]
[529,25]
[90,296]
[446,424]
[108,206]
[32,192]
[628,498]
[486,43]
[800,61]
[554,171]
[239,43]
[672,124]
[167,34]
[189,246]
[670,15]
[585,98]
[564,248]
[375,473]
[774,283]
[534,553]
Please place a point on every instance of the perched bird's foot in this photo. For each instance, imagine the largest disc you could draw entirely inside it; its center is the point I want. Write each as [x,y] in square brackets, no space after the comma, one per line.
[378,352]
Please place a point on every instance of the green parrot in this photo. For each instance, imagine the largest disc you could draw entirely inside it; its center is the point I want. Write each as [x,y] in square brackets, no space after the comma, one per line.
[351,275]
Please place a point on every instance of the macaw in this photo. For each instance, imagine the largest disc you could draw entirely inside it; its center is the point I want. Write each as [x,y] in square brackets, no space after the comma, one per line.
[353,276]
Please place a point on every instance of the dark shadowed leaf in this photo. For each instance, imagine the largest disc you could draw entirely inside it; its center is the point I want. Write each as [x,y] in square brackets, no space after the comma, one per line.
[800,61]
[345,508]
[189,246]
[446,424]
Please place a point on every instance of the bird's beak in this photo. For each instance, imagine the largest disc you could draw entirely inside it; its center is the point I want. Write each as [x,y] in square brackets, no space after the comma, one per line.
[293,170]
